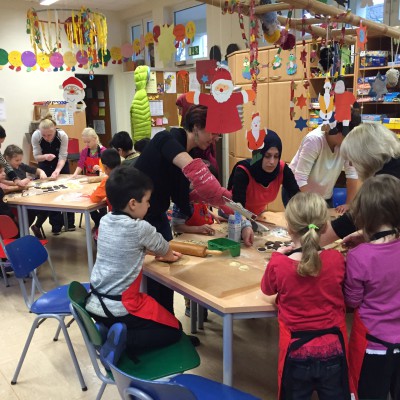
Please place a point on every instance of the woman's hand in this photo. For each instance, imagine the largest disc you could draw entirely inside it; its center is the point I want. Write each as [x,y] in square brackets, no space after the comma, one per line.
[49,157]
[248,236]
[74,176]
[42,175]
[55,175]
[171,256]
[342,208]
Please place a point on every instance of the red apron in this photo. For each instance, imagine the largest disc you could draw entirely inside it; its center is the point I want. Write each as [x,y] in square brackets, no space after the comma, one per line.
[201,215]
[144,306]
[285,338]
[259,196]
[90,162]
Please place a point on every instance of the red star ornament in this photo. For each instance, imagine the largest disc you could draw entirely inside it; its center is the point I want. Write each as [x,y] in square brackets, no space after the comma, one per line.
[303,56]
[361,36]
[301,101]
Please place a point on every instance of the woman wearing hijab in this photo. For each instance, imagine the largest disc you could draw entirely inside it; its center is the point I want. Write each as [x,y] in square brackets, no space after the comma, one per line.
[256,182]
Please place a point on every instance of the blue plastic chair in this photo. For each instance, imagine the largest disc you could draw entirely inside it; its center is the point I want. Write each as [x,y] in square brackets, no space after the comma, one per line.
[26,254]
[339,196]
[180,387]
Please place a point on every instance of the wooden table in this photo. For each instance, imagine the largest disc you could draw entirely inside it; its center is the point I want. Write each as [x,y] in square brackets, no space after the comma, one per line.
[65,200]
[238,303]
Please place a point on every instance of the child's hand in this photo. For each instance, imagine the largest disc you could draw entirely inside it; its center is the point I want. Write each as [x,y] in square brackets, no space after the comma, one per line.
[96,168]
[204,230]
[217,218]
[248,236]
[42,175]
[24,182]
[171,256]
[342,208]
[353,240]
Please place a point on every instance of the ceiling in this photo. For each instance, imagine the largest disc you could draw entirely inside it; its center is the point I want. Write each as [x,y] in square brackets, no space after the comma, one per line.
[106,5]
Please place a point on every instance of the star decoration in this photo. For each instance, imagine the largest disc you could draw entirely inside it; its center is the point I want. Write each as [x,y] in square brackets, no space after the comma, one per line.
[306,84]
[301,123]
[361,36]
[303,56]
[378,88]
[204,78]
[301,101]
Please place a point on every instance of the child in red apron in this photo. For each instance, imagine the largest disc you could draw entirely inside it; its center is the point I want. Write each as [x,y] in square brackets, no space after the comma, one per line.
[124,238]
[311,311]
[372,288]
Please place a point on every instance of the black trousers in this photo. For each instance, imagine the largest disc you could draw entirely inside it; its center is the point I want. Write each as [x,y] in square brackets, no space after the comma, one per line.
[96,216]
[322,376]
[379,376]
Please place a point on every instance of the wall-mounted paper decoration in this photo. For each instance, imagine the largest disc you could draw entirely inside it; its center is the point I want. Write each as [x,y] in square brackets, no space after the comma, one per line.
[74,94]
[166,44]
[190,29]
[151,86]
[170,82]
[193,82]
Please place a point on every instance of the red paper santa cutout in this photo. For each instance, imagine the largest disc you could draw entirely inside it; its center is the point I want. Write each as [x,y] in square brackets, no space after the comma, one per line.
[222,114]
[74,93]
[255,136]
[343,103]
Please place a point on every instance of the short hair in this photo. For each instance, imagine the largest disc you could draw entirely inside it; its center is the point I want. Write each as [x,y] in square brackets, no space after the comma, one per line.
[126,183]
[377,203]
[195,115]
[369,147]
[122,140]
[307,216]
[2,132]
[90,133]
[12,150]
[110,158]
[141,144]
[47,122]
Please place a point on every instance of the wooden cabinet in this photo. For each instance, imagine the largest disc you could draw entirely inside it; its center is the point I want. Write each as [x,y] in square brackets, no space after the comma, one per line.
[279,118]
[239,64]
[238,141]
[232,162]
[281,74]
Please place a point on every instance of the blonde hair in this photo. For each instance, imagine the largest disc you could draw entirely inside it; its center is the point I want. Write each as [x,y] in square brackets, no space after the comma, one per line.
[307,216]
[47,122]
[369,147]
[90,133]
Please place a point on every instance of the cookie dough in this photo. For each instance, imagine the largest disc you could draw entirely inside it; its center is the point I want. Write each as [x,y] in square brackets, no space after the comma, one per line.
[234,264]
[244,267]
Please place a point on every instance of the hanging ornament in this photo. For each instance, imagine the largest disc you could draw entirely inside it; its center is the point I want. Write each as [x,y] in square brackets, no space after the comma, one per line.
[190,30]
[301,101]
[301,123]
[70,60]
[57,61]
[28,58]
[291,66]
[156,32]
[326,103]
[254,70]
[378,87]
[246,69]
[184,77]
[43,61]
[392,77]
[255,136]
[14,58]
[116,55]
[82,58]
[344,101]
[361,36]
[277,63]
[291,103]
[179,33]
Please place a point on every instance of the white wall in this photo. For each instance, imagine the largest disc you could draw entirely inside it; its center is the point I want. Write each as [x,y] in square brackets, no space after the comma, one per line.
[21,89]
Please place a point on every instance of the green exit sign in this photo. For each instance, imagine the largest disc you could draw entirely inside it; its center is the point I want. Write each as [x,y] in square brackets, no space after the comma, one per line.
[194,51]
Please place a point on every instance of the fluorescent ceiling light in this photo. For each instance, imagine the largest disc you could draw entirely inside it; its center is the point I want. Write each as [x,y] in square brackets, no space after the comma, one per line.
[47,2]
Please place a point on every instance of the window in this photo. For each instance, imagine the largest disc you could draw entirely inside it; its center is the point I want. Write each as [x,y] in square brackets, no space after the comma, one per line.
[138,31]
[198,46]
[374,13]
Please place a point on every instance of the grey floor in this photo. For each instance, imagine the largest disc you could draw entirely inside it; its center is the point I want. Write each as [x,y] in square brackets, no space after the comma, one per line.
[48,372]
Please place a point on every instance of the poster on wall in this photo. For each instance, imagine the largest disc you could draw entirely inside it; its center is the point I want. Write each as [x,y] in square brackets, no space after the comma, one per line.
[170,82]
[62,116]
[193,82]
[151,86]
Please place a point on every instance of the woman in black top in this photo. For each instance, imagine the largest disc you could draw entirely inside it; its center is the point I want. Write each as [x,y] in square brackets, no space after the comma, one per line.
[166,160]
[373,150]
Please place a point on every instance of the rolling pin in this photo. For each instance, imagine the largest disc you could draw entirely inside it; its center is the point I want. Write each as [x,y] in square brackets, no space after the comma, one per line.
[192,249]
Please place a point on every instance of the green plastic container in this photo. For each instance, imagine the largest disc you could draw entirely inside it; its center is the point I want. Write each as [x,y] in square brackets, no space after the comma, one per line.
[223,244]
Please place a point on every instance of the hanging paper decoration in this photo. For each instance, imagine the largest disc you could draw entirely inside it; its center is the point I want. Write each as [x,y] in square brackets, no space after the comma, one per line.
[70,60]
[179,33]
[82,58]
[190,29]
[222,102]
[291,66]
[255,136]
[361,36]
[116,55]
[301,101]
[103,58]
[292,114]
[148,39]
[301,123]
[166,44]
[14,58]
[3,58]
[254,70]
[29,60]
[57,61]
[303,54]
[270,24]
[277,63]
[136,46]
[127,51]
[74,94]
[378,88]
[184,77]
[344,100]
[326,103]
[246,69]
[43,61]
[325,58]
[392,77]
[156,33]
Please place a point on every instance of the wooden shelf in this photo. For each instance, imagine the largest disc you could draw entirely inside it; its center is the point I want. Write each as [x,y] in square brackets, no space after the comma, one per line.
[377,68]
[324,77]
[380,102]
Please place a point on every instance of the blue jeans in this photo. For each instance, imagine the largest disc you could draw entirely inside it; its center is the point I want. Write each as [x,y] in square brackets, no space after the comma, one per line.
[322,376]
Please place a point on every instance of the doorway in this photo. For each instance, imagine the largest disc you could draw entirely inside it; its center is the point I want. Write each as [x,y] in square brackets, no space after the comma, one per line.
[97,101]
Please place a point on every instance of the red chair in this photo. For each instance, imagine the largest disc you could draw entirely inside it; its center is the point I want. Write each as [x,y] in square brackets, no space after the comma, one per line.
[8,232]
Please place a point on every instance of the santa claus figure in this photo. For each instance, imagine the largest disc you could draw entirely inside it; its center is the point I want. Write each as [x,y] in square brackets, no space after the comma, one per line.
[222,114]
[255,136]
[344,100]
[74,94]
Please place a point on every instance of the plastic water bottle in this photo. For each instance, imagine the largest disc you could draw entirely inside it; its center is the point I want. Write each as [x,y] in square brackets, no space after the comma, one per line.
[235,227]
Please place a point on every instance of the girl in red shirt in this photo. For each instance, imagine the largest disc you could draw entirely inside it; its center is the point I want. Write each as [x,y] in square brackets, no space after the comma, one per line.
[311,311]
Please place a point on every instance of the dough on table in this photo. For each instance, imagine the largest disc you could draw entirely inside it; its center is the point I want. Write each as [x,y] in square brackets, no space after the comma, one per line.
[234,264]
[244,267]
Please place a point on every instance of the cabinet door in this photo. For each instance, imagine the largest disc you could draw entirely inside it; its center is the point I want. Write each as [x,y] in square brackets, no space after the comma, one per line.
[232,161]
[281,74]
[279,117]
[241,70]
[237,140]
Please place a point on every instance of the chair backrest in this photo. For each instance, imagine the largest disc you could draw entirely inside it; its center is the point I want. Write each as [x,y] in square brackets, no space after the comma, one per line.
[130,387]
[77,294]
[339,196]
[8,229]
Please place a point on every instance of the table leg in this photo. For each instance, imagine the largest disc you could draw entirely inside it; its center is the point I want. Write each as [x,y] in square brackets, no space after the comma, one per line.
[193,316]
[200,316]
[89,241]
[23,221]
[227,348]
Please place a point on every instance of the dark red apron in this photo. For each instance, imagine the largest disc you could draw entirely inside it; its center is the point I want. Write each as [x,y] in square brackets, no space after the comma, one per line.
[201,215]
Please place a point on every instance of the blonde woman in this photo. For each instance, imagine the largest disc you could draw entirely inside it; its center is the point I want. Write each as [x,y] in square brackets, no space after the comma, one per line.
[373,150]
[50,150]
[311,311]
[90,156]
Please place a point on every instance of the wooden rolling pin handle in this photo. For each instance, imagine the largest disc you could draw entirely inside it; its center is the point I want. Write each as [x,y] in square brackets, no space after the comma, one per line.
[189,249]
[215,252]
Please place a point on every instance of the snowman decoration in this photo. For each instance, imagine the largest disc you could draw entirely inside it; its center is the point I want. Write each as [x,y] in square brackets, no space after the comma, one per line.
[74,94]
